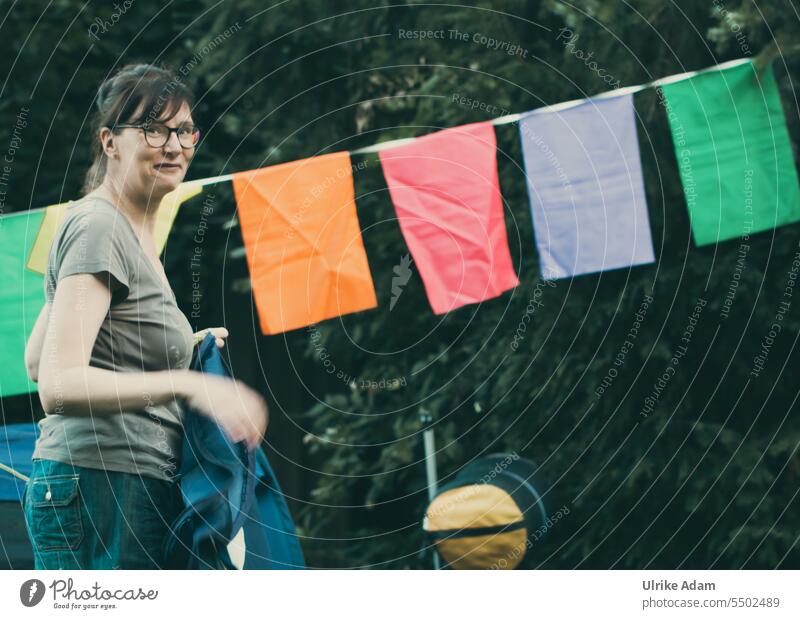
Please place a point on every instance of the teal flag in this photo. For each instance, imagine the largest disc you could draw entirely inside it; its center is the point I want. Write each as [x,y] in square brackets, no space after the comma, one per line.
[733,151]
[21,299]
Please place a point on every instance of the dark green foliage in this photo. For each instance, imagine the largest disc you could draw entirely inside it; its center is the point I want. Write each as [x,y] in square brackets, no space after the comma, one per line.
[709,478]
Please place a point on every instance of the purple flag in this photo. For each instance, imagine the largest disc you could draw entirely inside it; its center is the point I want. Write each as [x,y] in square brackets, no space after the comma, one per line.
[586,189]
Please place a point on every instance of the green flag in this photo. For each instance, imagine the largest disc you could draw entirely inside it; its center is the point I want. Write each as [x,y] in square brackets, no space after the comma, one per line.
[21,299]
[733,152]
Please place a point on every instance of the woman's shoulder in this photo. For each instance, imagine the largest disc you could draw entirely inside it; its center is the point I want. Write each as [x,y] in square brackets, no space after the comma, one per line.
[92,231]
[90,204]
[91,210]
[93,223]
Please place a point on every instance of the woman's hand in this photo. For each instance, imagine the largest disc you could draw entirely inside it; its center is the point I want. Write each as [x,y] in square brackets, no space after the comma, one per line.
[220,333]
[240,411]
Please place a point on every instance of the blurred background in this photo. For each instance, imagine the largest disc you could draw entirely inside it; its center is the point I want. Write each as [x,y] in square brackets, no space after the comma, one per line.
[710,478]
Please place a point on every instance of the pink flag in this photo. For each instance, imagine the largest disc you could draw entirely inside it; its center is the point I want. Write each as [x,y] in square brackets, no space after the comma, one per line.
[446,194]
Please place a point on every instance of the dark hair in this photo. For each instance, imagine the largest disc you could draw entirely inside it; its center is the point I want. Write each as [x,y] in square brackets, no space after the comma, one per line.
[155,93]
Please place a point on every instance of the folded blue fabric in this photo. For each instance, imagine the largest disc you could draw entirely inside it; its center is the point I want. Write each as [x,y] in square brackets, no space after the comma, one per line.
[227,489]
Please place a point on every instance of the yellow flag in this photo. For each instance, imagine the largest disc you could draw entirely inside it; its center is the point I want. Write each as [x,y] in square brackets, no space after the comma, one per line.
[168,209]
[53,215]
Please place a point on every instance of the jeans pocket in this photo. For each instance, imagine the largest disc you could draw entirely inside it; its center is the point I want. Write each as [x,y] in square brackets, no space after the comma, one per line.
[53,512]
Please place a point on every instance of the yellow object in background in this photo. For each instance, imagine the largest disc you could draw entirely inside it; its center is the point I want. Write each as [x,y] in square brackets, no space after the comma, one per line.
[467,511]
[491,516]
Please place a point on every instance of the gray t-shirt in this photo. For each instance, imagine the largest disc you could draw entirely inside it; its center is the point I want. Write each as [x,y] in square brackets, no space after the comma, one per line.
[143,331]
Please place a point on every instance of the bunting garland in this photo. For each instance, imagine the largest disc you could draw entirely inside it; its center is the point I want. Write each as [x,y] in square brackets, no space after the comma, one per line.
[303,240]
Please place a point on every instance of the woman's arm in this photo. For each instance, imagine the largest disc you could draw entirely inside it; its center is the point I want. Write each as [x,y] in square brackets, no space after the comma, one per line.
[33,349]
[69,385]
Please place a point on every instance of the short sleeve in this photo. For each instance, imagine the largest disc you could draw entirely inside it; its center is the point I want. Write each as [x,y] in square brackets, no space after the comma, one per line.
[91,241]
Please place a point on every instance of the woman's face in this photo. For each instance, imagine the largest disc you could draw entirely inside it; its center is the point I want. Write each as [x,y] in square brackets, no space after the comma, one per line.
[145,170]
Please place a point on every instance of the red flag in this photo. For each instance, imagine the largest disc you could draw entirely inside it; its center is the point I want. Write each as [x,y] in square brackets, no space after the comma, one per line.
[446,193]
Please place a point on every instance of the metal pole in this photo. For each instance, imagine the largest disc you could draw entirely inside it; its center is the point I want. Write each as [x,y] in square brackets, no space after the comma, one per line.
[431,475]
[8,469]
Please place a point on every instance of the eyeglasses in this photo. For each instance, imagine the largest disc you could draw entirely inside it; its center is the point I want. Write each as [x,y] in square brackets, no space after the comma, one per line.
[157,135]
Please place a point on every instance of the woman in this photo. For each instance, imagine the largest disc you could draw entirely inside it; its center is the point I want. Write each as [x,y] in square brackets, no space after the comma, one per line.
[111,349]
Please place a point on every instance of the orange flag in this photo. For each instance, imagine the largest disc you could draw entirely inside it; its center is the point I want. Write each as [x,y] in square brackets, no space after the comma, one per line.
[303,242]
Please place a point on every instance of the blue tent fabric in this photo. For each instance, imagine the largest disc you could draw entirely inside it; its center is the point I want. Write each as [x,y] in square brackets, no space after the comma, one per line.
[17,441]
[227,489]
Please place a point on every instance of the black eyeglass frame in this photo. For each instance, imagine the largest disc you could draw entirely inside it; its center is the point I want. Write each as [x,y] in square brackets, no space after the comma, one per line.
[170,131]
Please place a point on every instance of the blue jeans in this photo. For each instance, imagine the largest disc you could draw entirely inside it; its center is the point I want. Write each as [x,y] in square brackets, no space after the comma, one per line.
[83,518]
